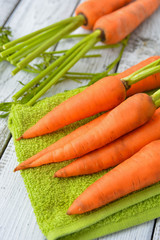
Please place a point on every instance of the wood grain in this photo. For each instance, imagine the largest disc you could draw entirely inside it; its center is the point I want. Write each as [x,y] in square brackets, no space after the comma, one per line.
[156,233]
[6,9]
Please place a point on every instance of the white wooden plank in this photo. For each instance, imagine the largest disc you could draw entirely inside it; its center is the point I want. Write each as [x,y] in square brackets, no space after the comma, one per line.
[8,187]
[6,6]
[156,233]
[143,232]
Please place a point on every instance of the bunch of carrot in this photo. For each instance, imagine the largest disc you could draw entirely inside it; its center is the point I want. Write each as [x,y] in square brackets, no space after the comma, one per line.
[109,25]
[33,44]
[115,132]
[106,142]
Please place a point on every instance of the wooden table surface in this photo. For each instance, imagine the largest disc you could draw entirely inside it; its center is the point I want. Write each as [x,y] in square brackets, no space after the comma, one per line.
[17,220]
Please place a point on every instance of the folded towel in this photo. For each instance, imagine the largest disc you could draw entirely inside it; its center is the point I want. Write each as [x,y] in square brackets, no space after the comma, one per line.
[51,197]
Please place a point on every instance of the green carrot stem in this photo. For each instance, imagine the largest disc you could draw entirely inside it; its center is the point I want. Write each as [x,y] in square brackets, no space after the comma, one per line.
[64,79]
[80,73]
[28,48]
[28,36]
[151,92]
[156,96]
[157,103]
[71,27]
[30,42]
[53,65]
[86,56]
[5,106]
[107,46]
[110,66]
[65,62]
[13,59]
[38,77]
[89,45]
[41,75]
[77,77]
[77,35]
[144,72]
[95,48]
[92,56]
[4,115]
[116,61]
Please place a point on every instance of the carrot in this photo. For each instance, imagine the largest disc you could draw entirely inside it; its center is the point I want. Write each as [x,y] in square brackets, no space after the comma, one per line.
[115,152]
[92,10]
[116,26]
[117,123]
[89,102]
[82,105]
[62,141]
[137,172]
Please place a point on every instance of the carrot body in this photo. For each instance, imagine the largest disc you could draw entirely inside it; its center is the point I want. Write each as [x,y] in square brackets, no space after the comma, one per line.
[116,26]
[117,123]
[115,152]
[62,141]
[93,10]
[137,172]
[99,97]
[104,95]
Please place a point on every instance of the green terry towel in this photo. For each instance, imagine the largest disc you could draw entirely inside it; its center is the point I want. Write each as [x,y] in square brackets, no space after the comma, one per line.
[51,197]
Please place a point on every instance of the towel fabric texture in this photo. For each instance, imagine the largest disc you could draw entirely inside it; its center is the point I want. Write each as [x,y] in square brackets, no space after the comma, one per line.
[51,197]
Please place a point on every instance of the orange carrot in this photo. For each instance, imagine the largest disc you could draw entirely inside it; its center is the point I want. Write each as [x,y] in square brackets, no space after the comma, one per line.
[104,95]
[117,123]
[115,152]
[116,26]
[62,141]
[92,10]
[137,172]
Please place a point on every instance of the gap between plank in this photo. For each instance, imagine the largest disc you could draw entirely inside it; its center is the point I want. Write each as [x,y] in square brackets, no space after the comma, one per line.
[11,12]
[5,145]
[154,226]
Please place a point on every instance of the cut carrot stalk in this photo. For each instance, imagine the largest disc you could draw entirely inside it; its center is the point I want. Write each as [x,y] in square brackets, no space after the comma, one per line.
[138,172]
[141,108]
[89,102]
[115,152]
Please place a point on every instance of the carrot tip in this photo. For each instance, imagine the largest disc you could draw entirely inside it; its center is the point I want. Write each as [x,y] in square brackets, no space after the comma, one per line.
[15,170]
[68,212]
[19,138]
[55,175]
